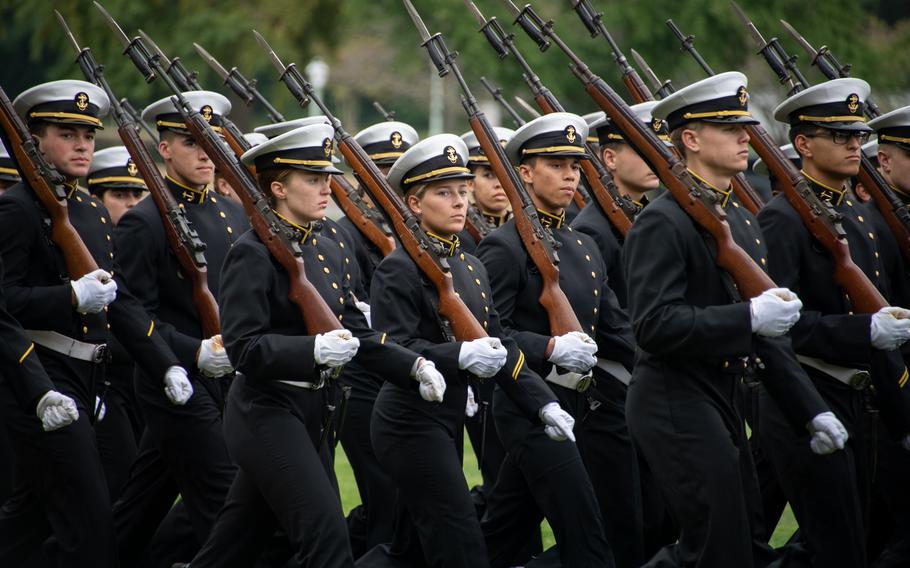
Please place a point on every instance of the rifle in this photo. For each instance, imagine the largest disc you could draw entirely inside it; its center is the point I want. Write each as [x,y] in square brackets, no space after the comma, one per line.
[388,115]
[464,326]
[242,87]
[182,238]
[48,185]
[527,107]
[661,89]
[186,81]
[368,221]
[699,203]
[820,219]
[539,243]
[593,21]
[280,240]
[496,93]
[888,203]
[620,211]
[136,117]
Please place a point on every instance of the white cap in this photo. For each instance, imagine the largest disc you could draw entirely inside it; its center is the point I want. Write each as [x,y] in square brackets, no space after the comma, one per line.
[444,156]
[64,102]
[721,98]
[893,127]
[165,115]
[279,128]
[255,138]
[307,148]
[556,134]
[385,142]
[836,104]
[113,168]
[475,154]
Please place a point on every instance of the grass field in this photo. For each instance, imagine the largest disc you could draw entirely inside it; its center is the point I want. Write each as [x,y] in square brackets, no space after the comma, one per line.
[350,498]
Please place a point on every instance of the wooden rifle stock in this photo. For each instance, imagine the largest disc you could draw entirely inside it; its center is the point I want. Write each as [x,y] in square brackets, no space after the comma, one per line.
[47,184]
[475,224]
[608,199]
[342,191]
[464,325]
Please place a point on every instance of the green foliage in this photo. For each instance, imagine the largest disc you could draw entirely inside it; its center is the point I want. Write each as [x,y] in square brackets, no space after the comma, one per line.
[374,52]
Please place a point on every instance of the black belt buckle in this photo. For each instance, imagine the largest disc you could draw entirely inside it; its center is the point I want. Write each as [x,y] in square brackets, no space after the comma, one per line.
[584,383]
[101,354]
[860,380]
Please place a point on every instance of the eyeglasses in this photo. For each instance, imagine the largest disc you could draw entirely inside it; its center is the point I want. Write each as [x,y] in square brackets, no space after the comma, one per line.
[840,137]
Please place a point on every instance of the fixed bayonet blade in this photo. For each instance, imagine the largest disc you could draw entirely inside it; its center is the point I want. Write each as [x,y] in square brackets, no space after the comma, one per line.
[157,50]
[118,31]
[415,17]
[516,11]
[813,53]
[213,63]
[476,11]
[69,34]
[643,65]
[756,35]
[527,106]
[271,53]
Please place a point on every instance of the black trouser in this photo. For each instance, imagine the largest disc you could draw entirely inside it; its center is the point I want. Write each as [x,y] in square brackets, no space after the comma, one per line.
[283,481]
[182,451]
[828,494]
[890,516]
[482,433]
[377,491]
[438,526]
[118,444]
[697,450]
[542,478]
[60,489]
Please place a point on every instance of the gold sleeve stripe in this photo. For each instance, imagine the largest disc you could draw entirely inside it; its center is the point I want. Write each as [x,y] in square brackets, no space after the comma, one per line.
[27,351]
[518,365]
[151,327]
[382,339]
[904,378]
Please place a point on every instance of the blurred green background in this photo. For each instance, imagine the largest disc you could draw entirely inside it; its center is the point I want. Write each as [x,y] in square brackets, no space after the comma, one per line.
[372,50]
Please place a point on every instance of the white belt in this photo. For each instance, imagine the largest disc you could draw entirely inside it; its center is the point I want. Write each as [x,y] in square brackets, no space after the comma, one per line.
[572,381]
[856,378]
[615,369]
[68,346]
[305,384]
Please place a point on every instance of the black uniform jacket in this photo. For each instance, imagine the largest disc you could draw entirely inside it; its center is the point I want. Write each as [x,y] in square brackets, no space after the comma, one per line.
[38,291]
[264,331]
[593,222]
[19,365]
[405,304]
[517,285]
[690,334]
[827,329]
[151,269]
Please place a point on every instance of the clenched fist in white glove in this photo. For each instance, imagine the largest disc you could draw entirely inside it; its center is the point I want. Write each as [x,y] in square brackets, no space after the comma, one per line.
[890,328]
[56,410]
[177,385]
[558,422]
[774,312]
[335,348]
[828,434]
[483,357]
[432,383]
[212,358]
[574,352]
[94,291]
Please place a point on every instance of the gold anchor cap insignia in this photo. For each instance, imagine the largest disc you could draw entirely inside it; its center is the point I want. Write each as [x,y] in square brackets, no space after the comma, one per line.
[743,96]
[81,100]
[451,154]
[395,139]
[131,167]
[853,103]
[327,147]
[570,133]
[206,112]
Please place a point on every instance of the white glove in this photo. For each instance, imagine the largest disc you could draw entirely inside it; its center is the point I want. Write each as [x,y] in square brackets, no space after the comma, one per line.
[828,434]
[94,291]
[335,348]
[102,412]
[365,308]
[483,357]
[890,328]
[471,407]
[774,312]
[558,422]
[905,442]
[574,352]
[212,359]
[177,385]
[432,383]
[56,410]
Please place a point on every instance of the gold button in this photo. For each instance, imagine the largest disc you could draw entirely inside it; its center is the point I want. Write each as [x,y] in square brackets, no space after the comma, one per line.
[877,273]
[223,216]
[748,222]
[320,257]
[764,262]
[486,309]
[314,242]
[726,364]
[111,254]
[347,261]
[471,268]
[103,220]
[340,317]
[334,232]
[483,295]
[461,256]
[108,326]
[94,204]
[213,200]
[230,231]
[592,329]
[477,281]
[758,241]
[340,300]
[339,244]
[596,292]
[595,311]
[484,324]
[348,276]
[860,218]
[108,237]
[325,269]
[593,274]
[735,204]
[79,199]
[872,236]
[876,254]
[588,257]
[849,203]
[84,329]
[180,205]
[457,295]
[578,241]
[570,229]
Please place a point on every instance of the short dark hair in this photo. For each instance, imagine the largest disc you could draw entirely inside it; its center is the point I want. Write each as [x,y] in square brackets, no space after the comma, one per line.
[265,179]
[676,134]
[37,128]
[802,129]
